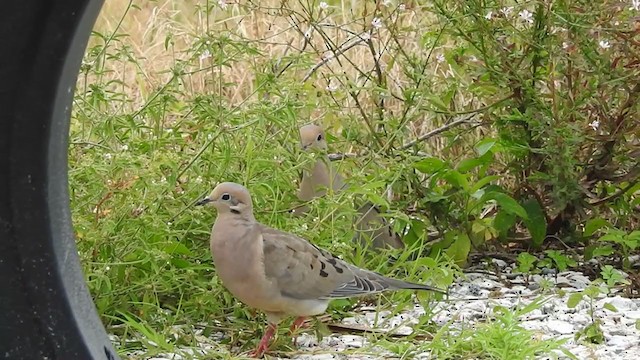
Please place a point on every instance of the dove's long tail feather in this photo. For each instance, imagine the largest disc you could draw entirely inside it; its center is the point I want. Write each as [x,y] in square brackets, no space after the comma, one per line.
[404,285]
[367,282]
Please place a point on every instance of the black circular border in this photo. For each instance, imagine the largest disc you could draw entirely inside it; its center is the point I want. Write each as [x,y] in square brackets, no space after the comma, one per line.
[46,311]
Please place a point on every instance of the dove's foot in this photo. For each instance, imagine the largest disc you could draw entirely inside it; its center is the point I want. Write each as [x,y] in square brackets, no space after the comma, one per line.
[263,346]
[298,323]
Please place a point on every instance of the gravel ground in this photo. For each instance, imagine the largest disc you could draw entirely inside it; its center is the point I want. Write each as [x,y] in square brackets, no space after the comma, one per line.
[552,320]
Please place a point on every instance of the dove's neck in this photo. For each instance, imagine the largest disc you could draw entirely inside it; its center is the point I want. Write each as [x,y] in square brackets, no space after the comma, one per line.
[243,218]
[230,231]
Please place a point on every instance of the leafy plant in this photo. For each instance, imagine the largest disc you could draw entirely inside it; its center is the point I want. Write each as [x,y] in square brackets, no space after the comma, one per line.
[593,332]
[467,200]
[612,277]
[558,260]
[500,338]
[526,264]
[628,241]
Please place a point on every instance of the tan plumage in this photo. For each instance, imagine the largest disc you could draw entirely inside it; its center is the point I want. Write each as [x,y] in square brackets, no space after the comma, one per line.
[322,176]
[278,272]
[372,229]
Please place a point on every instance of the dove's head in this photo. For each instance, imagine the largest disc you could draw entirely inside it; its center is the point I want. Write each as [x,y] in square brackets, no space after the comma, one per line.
[229,197]
[312,137]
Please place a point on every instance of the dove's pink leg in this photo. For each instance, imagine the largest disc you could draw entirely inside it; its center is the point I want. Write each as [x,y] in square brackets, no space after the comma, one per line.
[297,324]
[263,346]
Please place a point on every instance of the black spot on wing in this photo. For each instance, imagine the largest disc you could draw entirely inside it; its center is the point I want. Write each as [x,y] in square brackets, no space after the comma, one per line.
[334,262]
[329,258]
[322,272]
[235,211]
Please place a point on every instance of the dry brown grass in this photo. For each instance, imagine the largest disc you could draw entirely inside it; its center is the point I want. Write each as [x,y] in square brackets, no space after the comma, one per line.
[153,37]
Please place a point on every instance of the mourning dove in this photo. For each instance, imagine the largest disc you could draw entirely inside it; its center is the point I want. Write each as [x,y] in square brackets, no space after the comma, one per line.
[371,226]
[322,176]
[277,272]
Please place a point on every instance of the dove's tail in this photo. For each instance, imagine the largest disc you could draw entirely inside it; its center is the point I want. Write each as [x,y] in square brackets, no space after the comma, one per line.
[394,284]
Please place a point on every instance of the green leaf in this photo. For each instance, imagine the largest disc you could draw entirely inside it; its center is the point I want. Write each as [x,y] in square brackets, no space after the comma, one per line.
[536,221]
[594,225]
[503,222]
[457,179]
[459,250]
[574,300]
[482,182]
[634,236]
[429,165]
[603,250]
[494,188]
[526,262]
[468,164]
[438,246]
[638,324]
[613,235]
[484,146]
[181,263]
[609,306]
[438,103]
[417,232]
[176,248]
[506,202]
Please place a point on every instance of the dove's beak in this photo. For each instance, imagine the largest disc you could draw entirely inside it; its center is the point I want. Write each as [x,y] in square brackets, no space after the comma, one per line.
[203,201]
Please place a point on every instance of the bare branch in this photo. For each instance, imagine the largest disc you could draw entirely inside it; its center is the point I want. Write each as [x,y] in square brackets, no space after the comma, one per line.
[437,131]
[339,51]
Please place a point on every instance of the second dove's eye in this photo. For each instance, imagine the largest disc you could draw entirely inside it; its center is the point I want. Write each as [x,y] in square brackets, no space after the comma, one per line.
[225,197]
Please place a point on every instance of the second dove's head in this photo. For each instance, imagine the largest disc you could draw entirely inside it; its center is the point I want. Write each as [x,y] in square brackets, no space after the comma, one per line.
[229,197]
[312,137]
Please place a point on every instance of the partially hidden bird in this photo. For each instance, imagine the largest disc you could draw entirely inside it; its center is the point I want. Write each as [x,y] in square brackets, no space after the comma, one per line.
[280,273]
[372,229]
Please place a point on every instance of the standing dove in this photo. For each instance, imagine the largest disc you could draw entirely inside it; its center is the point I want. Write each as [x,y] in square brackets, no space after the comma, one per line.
[277,272]
[370,225]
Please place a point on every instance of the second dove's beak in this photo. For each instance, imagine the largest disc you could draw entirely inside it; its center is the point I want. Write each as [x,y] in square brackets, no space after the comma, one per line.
[203,201]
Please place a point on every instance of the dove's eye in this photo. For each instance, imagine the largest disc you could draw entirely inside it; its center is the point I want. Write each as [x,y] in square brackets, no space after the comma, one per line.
[225,197]
[320,137]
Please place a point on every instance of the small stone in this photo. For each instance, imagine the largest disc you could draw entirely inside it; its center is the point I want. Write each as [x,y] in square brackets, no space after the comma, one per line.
[499,263]
[533,286]
[579,319]
[620,303]
[317,357]
[306,340]
[579,279]
[487,284]
[548,308]
[623,342]
[547,271]
[560,327]
[353,341]
[633,315]
[350,321]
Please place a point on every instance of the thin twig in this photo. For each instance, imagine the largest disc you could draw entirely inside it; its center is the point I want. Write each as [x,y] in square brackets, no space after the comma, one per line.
[614,195]
[437,131]
[341,156]
[337,52]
